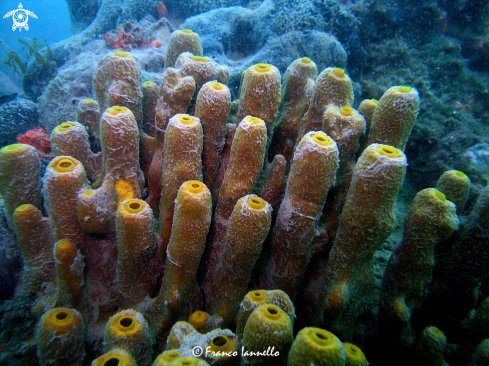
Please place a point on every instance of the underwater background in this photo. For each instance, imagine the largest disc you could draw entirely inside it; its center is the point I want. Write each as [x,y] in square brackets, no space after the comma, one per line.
[439,49]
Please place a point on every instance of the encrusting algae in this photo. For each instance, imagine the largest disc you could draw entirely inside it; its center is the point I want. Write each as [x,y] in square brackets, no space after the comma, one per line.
[196,202]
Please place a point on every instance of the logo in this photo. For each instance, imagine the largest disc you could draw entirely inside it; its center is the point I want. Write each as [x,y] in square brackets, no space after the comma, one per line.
[20,17]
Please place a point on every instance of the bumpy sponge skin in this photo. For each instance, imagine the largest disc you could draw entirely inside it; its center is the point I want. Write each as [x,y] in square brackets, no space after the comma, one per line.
[431,219]
[259,94]
[60,337]
[64,180]
[88,114]
[36,245]
[182,41]
[255,298]
[268,326]
[19,177]
[455,185]
[311,176]
[69,269]
[191,221]
[370,203]
[394,117]
[332,86]
[248,228]
[182,162]
[71,138]
[117,82]
[201,69]
[430,347]
[245,164]
[212,108]
[316,346]
[129,330]
[297,87]
[136,247]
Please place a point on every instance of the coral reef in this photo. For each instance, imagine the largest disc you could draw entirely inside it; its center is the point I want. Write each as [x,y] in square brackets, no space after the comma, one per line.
[17,117]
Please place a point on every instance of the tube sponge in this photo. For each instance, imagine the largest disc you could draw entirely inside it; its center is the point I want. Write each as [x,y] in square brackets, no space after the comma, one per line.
[430,347]
[431,219]
[182,162]
[377,179]
[182,41]
[455,185]
[35,243]
[255,298]
[69,268]
[117,357]
[193,209]
[117,82]
[259,94]
[481,355]
[60,338]
[71,138]
[175,96]
[136,247]
[311,175]
[201,69]
[165,358]
[316,346]
[212,108]
[275,180]
[297,87]
[20,182]
[88,114]
[248,228]
[128,330]
[151,94]
[64,180]
[366,109]
[120,160]
[245,164]
[354,355]
[267,327]
[394,117]
[332,86]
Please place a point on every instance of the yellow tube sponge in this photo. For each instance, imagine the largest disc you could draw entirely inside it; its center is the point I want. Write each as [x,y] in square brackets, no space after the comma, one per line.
[267,336]
[35,243]
[212,108]
[64,180]
[248,229]
[481,355]
[151,93]
[455,185]
[431,218]
[20,182]
[120,160]
[69,269]
[175,96]
[128,330]
[394,117]
[297,87]
[88,114]
[115,357]
[182,162]
[136,247]
[117,82]
[318,347]
[201,69]
[354,355]
[255,298]
[311,175]
[370,203]
[259,94]
[166,358]
[182,41]
[332,86]
[60,338]
[245,164]
[71,138]
[366,109]
[275,180]
[191,222]
[430,347]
